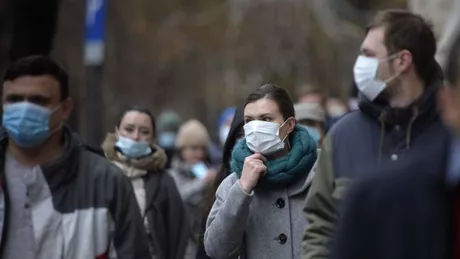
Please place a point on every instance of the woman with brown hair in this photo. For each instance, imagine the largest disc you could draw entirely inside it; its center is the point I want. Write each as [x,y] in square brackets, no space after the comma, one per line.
[132,148]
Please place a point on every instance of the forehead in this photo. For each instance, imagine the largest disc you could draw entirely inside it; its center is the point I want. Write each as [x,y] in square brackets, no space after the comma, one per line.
[46,86]
[312,97]
[374,43]
[260,107]
[136,118]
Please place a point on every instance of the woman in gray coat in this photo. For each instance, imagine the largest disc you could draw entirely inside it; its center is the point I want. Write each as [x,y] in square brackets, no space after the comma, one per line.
[258,209]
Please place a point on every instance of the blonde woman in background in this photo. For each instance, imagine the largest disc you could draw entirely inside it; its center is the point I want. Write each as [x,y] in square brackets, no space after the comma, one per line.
[191,170]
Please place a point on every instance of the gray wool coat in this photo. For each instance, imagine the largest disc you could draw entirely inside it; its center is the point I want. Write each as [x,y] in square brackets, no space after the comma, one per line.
[261,225]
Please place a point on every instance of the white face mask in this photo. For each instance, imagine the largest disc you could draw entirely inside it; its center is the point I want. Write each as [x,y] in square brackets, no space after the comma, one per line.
[365,73]
[263,136]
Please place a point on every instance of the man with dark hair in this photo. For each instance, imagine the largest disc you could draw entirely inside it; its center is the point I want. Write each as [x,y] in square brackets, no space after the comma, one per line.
[413,211]
[398,80]
[58,199]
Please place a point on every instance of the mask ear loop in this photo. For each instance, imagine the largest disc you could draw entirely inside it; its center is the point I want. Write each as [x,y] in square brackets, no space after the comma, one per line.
[285,137]
[388,80]
[55,109]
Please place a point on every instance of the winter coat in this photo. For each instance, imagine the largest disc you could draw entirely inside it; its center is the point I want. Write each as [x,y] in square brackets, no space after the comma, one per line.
[158,198]
[401,212]
[82,206]
[373,135]
[268,222]
[192,191]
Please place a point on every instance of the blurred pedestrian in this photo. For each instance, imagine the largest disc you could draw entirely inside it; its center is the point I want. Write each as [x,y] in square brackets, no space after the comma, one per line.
[58,199]
[311,94]
[335,109]
[168,125]
[192,173]
[235,133]
[412,212]
[215,149]
[225,123]
[257,209]
[132,148]
[398,79]
[312,117]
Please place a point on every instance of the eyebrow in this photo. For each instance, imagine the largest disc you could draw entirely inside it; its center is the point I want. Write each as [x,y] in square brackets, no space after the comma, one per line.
[266,114]
[134,125]
[33,98]
[259,116]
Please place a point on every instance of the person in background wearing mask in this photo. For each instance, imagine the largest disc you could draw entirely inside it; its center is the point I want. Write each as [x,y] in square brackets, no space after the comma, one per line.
[335,109]
[257,209]
[58,199]
[311,94]
[234,135]
[192,174]
[168,125]
[132,148]
[398,79]
[312,117]
[428,193]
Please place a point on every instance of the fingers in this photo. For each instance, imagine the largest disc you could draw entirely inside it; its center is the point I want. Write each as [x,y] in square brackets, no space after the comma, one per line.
[259,166]
[258,156]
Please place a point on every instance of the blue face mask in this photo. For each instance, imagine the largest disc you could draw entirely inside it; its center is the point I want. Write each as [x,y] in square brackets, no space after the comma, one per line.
[167,139]
[133,149]
[314,133]
[200,170]
[27,124]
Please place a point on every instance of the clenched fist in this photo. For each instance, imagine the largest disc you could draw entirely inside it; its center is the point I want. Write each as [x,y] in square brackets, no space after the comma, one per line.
[253,169]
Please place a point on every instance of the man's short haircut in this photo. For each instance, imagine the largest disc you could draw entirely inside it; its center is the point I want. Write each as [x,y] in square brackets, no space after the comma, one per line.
[405,30]
[38,66]
[453,63]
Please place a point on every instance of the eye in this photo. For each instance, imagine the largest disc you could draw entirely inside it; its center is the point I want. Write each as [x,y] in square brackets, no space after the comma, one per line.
[129,129]
[266,118]
[145,133]
[39,100]
[247,120]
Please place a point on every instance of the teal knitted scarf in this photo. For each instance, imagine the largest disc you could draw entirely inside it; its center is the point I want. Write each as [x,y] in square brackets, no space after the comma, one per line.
[284,170]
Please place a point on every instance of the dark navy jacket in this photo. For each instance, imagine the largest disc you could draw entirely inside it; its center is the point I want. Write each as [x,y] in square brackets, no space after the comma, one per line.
[401,212]
[359,144]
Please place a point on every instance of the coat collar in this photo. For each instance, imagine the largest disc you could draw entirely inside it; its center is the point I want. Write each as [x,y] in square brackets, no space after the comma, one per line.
[153,163]
[61,171]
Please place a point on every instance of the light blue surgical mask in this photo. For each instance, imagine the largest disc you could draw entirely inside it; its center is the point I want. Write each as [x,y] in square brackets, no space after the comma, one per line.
[167,139]
[200,170]
[313,132]
[132,148]
[27,124]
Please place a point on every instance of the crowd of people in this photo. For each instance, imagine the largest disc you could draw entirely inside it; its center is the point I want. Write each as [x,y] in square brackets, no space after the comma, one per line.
[276,184]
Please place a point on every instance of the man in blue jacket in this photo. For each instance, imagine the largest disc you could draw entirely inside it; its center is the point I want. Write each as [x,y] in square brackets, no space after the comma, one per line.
[412,211]
[397,121]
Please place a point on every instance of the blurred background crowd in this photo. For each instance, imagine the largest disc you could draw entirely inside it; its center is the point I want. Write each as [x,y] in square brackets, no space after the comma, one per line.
[191,64]
[196,58]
